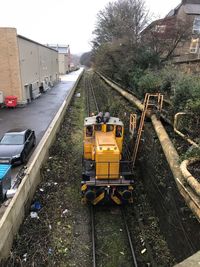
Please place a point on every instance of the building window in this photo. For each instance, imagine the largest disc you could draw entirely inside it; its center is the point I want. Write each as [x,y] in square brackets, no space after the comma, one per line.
[159,28]
[196,25]
[194,45]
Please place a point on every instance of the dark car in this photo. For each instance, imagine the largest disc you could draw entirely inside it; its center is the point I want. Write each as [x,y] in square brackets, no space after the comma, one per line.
[16,145]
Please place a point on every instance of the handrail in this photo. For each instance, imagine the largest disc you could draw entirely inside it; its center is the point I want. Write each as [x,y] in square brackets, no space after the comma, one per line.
[189,178]
[190,141]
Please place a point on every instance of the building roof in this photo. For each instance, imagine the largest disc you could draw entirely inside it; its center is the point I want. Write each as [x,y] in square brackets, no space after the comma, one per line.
[29,40]
[62,49]
[191,2]
[174,11]
[192,9]
[189,6]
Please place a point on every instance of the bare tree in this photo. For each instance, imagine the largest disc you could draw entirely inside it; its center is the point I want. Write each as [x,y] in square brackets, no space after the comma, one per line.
[117,36]
[122,20]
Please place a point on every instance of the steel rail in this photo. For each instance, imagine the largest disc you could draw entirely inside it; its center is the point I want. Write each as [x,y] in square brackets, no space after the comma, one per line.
[87,96]
[89,88]
[94,97]
[129,238]
[93,236]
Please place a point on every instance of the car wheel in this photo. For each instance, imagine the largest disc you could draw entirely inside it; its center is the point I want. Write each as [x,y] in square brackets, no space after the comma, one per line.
[23,158]
[34,142]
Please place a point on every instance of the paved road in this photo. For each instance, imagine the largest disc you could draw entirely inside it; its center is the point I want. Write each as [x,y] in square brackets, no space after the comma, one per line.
[39,113]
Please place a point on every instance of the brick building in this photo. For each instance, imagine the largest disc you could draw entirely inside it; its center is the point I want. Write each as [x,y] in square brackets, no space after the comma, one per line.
[27,68]
[64,57]
[181,23]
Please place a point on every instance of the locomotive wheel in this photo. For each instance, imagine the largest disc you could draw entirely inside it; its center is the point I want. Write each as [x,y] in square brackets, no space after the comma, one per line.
[90,195]
[126,195]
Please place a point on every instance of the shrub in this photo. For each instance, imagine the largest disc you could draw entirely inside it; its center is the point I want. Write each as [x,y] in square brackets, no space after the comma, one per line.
[135,76]
[186,88]
[149,83]
[169,75]
[193,105]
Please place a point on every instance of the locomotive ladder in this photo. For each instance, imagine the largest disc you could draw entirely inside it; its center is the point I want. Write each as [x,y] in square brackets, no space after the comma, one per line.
[152,102]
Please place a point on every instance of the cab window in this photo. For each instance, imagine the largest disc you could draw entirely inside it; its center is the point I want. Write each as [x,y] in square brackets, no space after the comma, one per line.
[109,128]
[118,131]
[89,131]
[97,127]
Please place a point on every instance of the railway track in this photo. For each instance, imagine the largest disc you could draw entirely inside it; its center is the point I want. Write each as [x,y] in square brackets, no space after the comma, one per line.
[135,264]
[91,102]
[92,105]
[129,242]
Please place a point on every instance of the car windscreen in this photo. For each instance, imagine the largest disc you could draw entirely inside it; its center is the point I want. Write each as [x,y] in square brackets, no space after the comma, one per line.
[12,139]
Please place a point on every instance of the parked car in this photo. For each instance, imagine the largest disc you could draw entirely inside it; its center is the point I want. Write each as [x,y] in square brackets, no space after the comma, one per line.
[16,145]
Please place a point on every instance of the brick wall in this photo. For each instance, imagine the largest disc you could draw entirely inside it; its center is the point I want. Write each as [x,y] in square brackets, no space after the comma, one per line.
[10,79]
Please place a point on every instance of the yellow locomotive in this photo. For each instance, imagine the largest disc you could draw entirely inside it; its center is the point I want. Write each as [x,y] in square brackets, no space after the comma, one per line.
[106,175]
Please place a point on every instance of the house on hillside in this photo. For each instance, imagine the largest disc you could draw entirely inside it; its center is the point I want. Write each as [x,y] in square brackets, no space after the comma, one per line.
[27,68]
[178,34]
[64,57]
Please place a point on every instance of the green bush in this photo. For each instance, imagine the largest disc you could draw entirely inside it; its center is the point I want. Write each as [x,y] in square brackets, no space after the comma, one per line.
[169,76]
[193,105]
[135,76]
[149,83]
[185,89]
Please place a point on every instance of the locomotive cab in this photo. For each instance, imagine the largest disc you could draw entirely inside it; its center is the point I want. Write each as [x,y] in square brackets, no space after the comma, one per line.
[103,177]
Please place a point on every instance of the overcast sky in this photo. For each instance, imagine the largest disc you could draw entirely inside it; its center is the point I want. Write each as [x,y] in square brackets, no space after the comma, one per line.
[63,21]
